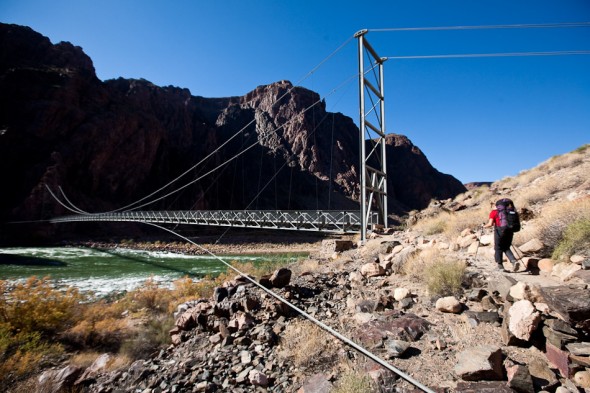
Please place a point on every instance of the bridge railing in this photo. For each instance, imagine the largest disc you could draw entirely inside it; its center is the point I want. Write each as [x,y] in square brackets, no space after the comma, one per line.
[307,220]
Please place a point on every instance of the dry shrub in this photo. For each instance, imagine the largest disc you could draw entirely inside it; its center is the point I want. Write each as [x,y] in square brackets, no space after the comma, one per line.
[556,217]
[442,276]
[466,219]
[575,238]
[153,336]
[308,345]
[433,225]
[85,360]
[527,177]
[35,306]
[354,382]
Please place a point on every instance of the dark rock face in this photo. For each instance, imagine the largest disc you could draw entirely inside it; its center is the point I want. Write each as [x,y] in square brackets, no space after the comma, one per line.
[110,143]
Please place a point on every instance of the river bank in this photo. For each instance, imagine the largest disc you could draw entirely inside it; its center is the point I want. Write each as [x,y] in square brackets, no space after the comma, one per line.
[261,243]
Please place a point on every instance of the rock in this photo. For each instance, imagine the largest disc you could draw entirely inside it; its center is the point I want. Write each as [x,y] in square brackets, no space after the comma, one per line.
[486,240]
[483,362]
[99,365]
[449,304]
[355,277]
[473,247]
[501,284]
[257,378]
[401,293]
[519,378]
[219,294]
[565,270]
[532,246]
[580,360]
[577,259]
[372,269]
[556,338]
[280,278]
[572,304]
[524,319]
[476,294]
[408,327]
[318,383]
[396,348]
[560,326]
[546,265]
[468,241]
[59,380]
[582,379]
[466,232]
[484,316]
[557,358]
[519,290]
[543,376]
[580,349]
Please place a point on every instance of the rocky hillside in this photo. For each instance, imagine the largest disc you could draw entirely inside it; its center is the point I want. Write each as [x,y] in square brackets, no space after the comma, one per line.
[108,143]
[430,303]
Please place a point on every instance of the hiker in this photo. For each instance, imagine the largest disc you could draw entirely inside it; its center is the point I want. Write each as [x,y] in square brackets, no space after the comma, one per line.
[503,234]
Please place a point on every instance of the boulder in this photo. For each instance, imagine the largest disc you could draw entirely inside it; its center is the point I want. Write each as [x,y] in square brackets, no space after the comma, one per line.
[480,363]
[571,304]
[565,270]
[546,265]
[519,378]
[449,304]
[524,319]
[532,246]
[55,381]
[396,348]
[519,290]
[582,379]
[401,293]
[372,269]
[280,278]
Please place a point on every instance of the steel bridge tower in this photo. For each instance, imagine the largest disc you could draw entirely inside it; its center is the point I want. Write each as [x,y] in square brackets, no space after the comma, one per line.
[373,181]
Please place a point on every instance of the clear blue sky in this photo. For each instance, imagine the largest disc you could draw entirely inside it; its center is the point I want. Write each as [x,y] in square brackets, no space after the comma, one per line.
[477,119]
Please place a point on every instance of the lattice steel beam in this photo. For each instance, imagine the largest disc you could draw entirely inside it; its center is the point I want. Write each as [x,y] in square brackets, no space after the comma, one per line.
[313,220]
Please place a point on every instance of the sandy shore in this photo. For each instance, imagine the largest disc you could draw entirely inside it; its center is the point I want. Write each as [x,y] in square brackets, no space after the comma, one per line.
[248,244]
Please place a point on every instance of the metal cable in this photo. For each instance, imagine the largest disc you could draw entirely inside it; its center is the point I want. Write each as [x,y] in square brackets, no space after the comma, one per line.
[306,315]
[488,27]
[508,54]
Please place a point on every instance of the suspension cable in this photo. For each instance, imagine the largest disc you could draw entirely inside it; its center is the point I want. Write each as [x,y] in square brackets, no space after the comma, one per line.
[507,54]
[488,27]
[305,314]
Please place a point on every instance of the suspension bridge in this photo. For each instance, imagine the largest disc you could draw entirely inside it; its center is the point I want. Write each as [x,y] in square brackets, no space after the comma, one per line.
[373,194]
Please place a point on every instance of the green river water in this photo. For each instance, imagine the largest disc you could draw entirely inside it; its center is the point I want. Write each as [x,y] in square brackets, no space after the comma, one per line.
[103,272]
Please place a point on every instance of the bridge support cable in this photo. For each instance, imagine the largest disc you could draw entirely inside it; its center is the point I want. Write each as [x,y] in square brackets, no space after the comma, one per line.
[307,316]
[373,181]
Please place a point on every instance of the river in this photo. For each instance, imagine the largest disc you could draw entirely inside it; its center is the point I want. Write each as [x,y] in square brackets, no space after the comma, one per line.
[106,271]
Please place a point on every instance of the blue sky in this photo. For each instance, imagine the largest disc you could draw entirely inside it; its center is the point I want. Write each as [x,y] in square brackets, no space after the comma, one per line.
[478,119]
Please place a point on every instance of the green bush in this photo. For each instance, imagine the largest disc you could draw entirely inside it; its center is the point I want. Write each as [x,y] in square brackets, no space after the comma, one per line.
[575,238]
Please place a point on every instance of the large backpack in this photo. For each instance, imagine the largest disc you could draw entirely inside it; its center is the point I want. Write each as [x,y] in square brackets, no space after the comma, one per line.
[508,216]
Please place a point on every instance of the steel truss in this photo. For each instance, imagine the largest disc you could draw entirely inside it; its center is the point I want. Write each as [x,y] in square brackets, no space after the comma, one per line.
[373,181]
[314,220]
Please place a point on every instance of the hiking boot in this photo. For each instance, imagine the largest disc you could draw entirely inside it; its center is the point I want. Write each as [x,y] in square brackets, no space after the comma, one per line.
[516,266]
[500,267]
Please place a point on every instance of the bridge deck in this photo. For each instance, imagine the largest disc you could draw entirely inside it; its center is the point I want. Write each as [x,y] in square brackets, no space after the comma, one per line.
[307,220]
